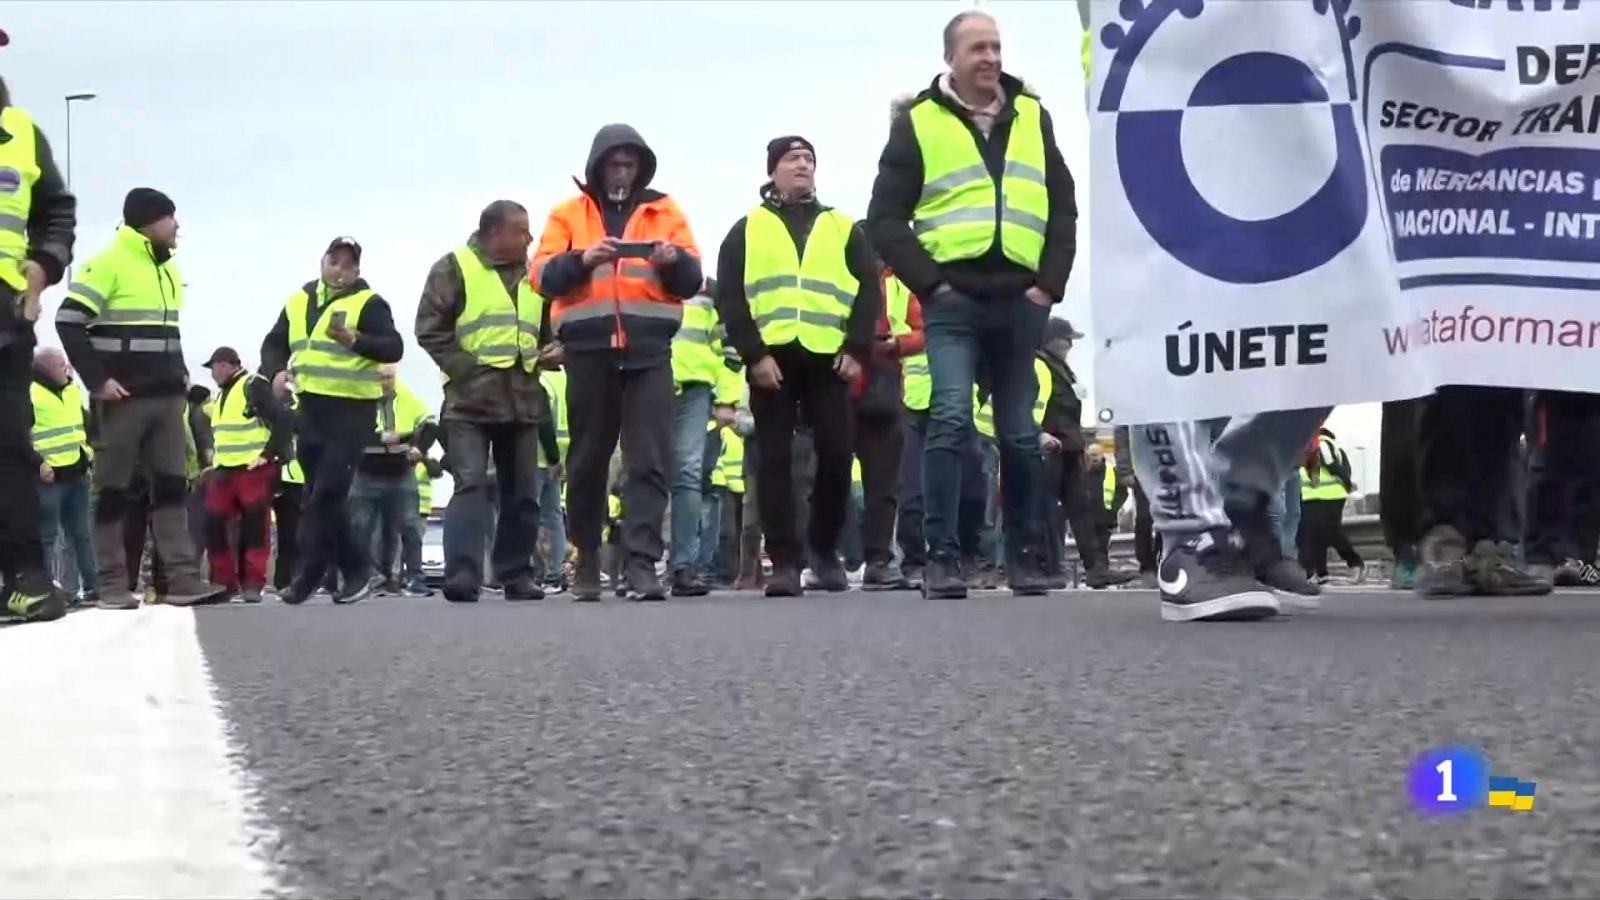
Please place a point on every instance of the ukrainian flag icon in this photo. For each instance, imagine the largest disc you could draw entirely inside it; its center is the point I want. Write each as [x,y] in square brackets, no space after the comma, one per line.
[1511,793]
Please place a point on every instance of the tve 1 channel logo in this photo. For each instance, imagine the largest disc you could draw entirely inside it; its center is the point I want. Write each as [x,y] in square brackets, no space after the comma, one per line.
[1447,780]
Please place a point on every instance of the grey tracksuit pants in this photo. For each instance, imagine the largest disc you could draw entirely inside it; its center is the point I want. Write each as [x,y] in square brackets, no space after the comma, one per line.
[1192,470]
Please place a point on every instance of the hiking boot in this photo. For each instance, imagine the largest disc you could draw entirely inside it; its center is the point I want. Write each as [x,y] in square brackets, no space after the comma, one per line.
[586,580]
[1208,579]
[35,599]
[828,575]
[749,581]
[883,576]
[913,577]
[117,599]
[193,592]
[942,581]
[643,583]
[971,572]
[1492,570]
[686,584]
[357,589]
[1404,577]
[1026,576]
[784,582]
[524,588]
[1442,564]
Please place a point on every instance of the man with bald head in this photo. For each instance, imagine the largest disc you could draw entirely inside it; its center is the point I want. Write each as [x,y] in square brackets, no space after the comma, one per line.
[60,444]
[973,209]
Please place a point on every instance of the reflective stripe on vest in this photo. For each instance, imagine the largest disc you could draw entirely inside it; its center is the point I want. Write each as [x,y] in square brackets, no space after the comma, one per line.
[20,157]
[731,461]
[322,365]
[696,351]
[493,329]
[961,206]
[240,438]
[803,297]
[58,431]
[135,302]
[1327,488]
[1041,401]
[916,384]
[982,415]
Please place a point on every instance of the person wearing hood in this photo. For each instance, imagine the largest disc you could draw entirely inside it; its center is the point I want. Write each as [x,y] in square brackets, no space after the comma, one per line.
[973,209]
[798,290]
[61,446]
[487,327]
[38,216]
[119,325]
[332,335]
[618,261]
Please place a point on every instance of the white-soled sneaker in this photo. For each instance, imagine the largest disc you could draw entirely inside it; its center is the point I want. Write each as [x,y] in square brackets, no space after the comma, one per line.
[1208,579]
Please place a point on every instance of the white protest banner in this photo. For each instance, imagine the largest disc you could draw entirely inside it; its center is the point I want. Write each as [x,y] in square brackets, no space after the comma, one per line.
[1313,202]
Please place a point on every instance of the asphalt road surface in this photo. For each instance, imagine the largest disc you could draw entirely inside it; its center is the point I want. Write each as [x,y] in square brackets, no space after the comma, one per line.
[851,745]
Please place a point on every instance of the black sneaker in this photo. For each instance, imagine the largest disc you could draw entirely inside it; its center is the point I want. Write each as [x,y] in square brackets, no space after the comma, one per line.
[115,599]
[829,575]
[686,584]
[523,589]
[643,583]
[942,581]
[1207,579]
[784,582]
[586,580]
[358,589]
[1026,577]
[1575,573]
[1265,555]
[883,577]
[1442,564]
[35,600]
[1289,581]
[1493,571]
[971,571]
[913,577]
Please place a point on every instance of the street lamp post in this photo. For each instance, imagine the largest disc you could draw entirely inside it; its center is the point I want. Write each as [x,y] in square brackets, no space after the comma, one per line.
[84,96]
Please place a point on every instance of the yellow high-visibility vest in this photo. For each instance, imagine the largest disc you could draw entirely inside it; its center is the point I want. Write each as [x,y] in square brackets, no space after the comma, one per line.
[799,297]
[136,301]
[424,491]
[696,349]
[917,379]
[555,388]
[496,331]
[58,430]
[410,413]
[19,156]
[1328,486]
[293,474]
[321,365]
[1041,400]
[1109,487]
[240,437]
[730,462]
[962,210]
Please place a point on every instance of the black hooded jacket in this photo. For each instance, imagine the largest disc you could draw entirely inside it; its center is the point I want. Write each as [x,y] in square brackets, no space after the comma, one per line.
[562,270]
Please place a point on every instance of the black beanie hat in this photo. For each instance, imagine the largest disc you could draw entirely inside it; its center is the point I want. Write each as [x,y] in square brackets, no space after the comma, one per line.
[777,147]
[145,205]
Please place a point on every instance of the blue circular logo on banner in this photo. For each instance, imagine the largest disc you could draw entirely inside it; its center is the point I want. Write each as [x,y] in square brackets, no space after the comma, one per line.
[1157,181]
[1446,780]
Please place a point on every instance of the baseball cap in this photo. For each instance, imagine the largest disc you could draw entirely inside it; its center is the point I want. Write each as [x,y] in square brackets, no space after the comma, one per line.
[1057,328]
[223,354]
[346,243]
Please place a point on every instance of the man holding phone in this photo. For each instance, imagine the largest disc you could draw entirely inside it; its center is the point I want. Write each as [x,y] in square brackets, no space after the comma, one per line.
[333,335]
[617,262]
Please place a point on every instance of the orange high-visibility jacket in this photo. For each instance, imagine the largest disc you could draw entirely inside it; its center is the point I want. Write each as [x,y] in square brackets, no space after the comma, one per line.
[622,305]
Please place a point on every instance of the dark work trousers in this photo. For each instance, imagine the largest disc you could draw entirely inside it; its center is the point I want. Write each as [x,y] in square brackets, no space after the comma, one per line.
[750,515]
[1321,530]
[21,551]
[813,389]
[1144,537]
[1065,501]
[1466,446]
[803,475]
[515,480]
[333,431]
[729,540]
[636,406]
[880,445]
[908,533]
[136,533]
[1399,479]
[1565,445]
[286,514]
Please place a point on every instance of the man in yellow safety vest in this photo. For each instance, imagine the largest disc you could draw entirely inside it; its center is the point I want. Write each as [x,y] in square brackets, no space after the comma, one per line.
[797,288]
[973,208]
[251,437]
[699,375]
[61,444]
[384,504]
[553,480]
[487,329]
[332,336]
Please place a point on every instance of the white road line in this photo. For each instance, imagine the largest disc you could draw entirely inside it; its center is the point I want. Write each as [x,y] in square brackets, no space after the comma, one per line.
[116,774]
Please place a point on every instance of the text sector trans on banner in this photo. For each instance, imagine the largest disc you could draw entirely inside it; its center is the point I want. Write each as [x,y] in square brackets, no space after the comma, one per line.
[1316,202]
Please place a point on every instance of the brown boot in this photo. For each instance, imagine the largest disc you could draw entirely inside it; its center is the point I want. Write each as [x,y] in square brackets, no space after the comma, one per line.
[169,525]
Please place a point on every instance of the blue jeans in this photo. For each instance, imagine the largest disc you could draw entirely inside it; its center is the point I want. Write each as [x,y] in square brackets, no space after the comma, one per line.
[1283,511]
[850,545]
[710,529]
[999,336]
[552,522]
[384,510]
[64,507]
[692,414]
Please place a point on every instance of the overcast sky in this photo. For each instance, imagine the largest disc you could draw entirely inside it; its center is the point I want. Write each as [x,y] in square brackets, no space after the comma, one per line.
[278,126]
